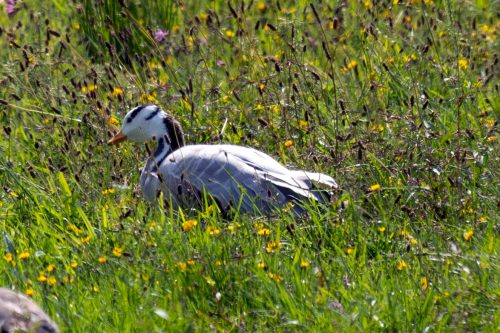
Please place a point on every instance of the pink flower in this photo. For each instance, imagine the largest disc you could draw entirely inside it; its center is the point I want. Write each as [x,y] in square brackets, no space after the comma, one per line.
[160,35]
[10,7]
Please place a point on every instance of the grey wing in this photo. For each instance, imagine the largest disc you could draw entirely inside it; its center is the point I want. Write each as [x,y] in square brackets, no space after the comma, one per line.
[150,183]
[217,171]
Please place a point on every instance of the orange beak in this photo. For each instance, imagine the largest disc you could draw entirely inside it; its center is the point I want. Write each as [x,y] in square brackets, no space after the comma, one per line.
[117,138]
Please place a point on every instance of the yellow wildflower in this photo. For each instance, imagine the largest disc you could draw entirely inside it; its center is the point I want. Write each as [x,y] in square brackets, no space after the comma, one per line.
[303,124]
[73,228]
[491,138]
[113,121]
[232,228]
[424,283]
[149,98]
[117,251]
[24,255]
[263,232]
[68,279]
[304,263]
[261,6]
[88,89]
[188,225]
[275,108]
[381,229]
[229,33]
[273,246]
[73,264]
[42,278]
[375,187]
[261,265]
[29,291]
[404,233]
[468,235]
[182,266]
[95,289]
[352,64]
[51,268]
[401,265]
[85,240]
[288,143]
[463,63]
[9,257]
[51,280]
[275,277]
[117,91]
[108,191]
[102,260]
[213,231]
[349,250]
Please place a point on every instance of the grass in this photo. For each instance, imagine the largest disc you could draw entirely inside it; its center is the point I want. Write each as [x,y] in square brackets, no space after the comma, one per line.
[398,102]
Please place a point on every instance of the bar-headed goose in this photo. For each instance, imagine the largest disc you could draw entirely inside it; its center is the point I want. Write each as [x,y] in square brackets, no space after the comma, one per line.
[234,176]
[18,313]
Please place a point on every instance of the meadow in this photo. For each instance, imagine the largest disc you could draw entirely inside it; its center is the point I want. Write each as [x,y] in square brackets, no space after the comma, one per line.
[397,100]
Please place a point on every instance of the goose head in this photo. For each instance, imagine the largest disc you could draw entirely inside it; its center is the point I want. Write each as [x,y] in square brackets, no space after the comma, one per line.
[149,122]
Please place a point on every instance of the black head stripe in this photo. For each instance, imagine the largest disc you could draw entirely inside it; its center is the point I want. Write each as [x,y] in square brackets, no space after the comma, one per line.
[135,112]
[154,113]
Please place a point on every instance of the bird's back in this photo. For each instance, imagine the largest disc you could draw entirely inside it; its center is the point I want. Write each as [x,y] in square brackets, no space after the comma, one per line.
[235,176]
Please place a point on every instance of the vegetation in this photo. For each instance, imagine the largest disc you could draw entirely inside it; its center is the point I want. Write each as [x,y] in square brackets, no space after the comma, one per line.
[397,100]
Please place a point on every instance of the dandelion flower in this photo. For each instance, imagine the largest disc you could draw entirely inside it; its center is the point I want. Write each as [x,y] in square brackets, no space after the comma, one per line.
[401,265]
[424,283]
[102,260]
[273,246]
[468,235]
[229,33]
[42,278]
[275,277]
[108,191]
[213,231]
[117,251]
[73,228]
[261,265]
[263,232]
[182,266]
[375,187]
[463,63]
[261,6]
[24,255]
[51,268]
[29,292]
[117,91]
[88,89]
[304,263]
[188,225]
[51,280]
[288,143]
[9,257]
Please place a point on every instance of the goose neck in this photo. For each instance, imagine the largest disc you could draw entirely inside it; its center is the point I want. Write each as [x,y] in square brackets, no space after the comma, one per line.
[162,150]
